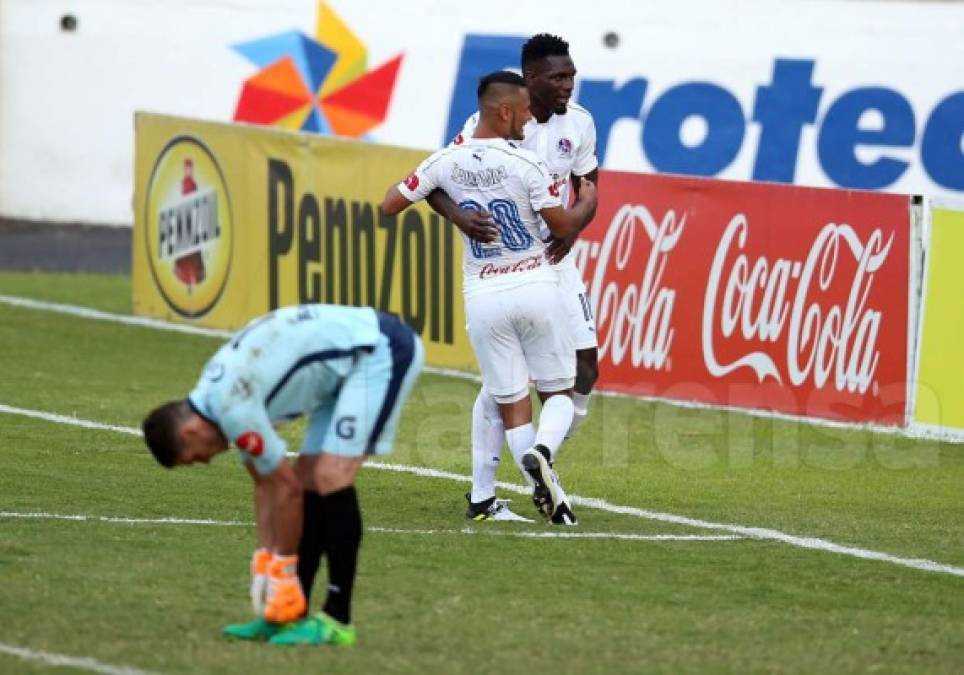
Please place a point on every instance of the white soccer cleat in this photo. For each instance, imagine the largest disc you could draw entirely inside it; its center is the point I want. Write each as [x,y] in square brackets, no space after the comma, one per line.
[493,509]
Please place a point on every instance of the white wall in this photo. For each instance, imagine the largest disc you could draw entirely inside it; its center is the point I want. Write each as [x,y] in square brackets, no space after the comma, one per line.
[67,99]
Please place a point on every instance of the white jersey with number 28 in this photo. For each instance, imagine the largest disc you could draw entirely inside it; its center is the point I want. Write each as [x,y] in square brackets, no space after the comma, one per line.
[510,183]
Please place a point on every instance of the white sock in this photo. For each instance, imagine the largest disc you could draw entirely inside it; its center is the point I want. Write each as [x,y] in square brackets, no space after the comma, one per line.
[580,404]
[521,439]
[554,421]
[487,436]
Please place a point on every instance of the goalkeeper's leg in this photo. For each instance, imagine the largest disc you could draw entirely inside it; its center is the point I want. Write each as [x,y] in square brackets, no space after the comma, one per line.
[311,546]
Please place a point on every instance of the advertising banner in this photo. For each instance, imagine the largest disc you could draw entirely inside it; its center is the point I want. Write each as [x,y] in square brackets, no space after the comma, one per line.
[939,396]
[859,95]
[758,296]
[233,221]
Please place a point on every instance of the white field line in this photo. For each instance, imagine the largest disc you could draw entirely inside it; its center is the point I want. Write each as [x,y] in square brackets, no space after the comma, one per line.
[760,533]
[914,431]
[619,536]
[43,515]
[61,661]
[66,419]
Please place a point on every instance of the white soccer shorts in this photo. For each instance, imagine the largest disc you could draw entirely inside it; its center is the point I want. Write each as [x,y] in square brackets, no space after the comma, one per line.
[518,332]
[581,322]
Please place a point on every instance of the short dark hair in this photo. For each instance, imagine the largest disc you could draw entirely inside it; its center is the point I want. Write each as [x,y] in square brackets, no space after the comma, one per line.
[499,77]
[541,46]
[160,429]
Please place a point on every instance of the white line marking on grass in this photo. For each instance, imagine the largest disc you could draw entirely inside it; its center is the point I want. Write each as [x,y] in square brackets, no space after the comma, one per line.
[157,324]
[622,536]
[97,315]
[61,661]
[65,419]
[41,515]
[760,533]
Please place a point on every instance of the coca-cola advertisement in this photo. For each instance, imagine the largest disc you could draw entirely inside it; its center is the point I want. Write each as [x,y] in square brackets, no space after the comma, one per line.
[753,295]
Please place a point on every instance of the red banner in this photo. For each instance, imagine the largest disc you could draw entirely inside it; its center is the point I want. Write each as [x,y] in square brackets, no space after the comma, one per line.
[754,295]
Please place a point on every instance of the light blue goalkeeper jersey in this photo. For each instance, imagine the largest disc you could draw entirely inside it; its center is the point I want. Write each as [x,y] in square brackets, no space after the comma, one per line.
[282,365]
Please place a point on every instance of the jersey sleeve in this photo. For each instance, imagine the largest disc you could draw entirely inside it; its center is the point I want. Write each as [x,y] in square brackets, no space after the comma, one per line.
[246,425]
[543,192]
[585,160]
[422,181]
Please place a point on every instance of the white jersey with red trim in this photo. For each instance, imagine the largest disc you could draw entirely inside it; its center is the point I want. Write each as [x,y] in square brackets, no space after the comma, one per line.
[512,184]
[565,143]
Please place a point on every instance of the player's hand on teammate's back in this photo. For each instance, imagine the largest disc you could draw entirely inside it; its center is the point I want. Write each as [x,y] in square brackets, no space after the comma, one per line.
[286,599]
[259,579]
[558,248]
[477,225]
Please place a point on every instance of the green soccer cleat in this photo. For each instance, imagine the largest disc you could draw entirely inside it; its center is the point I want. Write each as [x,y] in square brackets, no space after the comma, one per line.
[259,629]
[317,629]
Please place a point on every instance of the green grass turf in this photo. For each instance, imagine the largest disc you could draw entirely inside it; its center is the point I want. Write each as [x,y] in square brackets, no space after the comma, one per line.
[154,596]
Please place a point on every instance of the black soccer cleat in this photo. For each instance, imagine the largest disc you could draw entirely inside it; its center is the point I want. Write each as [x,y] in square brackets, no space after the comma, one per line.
[564,515]
[546,493]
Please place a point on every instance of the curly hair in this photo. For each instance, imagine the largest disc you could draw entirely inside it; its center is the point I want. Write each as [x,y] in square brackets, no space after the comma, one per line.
[541,46]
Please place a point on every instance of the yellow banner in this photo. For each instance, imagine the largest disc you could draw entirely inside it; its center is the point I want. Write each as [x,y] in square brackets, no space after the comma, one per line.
[233,221]
[940,386]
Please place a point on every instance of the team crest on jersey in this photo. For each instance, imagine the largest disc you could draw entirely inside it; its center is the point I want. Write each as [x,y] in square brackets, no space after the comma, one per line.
[251,442]
[411,182]
[564,146]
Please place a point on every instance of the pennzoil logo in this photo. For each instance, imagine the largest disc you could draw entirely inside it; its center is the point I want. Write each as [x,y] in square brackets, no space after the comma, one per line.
[189,227]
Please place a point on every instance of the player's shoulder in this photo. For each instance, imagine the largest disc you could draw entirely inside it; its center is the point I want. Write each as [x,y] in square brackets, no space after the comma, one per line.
[580,116]
[522,155]
[440,155]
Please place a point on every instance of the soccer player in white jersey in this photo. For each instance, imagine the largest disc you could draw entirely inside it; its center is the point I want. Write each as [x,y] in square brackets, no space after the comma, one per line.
[562,134]
[349,370]
[515,315]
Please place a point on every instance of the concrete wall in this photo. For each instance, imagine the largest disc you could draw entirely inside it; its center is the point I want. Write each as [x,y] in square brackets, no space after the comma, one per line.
[858,94]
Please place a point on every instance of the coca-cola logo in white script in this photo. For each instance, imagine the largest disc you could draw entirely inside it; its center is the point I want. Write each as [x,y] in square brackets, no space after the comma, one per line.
[635,319]
[755,296]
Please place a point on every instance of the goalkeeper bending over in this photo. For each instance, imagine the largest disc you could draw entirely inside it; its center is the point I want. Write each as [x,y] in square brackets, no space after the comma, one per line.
[349,370]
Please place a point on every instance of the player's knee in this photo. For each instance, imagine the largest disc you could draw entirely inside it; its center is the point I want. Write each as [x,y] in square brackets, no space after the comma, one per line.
[488,405]
[587,368]
[333,473]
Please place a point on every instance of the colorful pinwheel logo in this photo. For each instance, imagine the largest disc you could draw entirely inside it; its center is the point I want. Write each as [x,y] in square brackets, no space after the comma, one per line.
[320,85]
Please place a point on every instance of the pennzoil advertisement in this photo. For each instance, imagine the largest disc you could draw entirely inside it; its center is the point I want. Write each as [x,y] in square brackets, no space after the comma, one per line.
[231,222]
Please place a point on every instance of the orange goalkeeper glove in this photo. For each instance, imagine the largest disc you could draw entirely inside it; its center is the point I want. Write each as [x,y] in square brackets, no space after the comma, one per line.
[285,601]
[259,578]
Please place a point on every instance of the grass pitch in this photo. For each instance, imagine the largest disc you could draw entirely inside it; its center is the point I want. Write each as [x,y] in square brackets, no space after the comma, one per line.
[435,594]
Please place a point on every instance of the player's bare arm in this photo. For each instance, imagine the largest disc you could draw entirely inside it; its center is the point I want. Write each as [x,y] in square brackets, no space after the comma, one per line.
[477,225]
[564,222]
[559,247]
[395,202]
